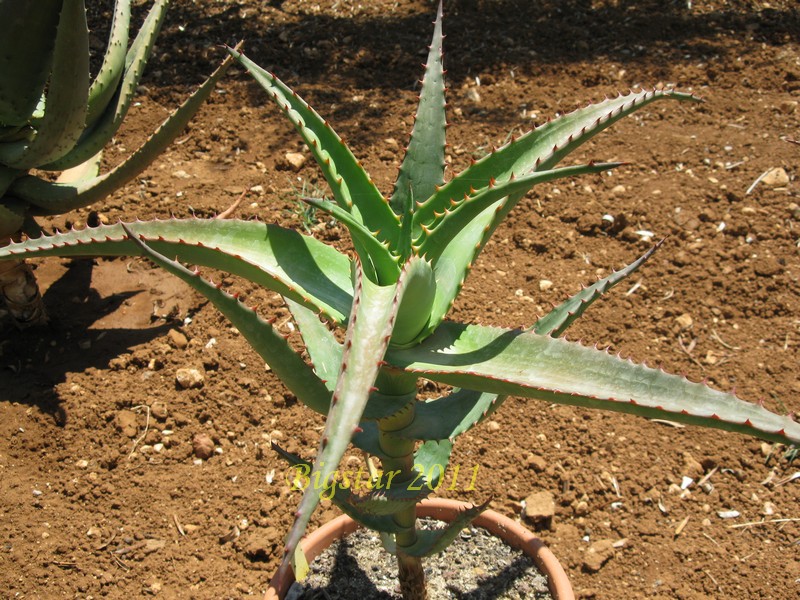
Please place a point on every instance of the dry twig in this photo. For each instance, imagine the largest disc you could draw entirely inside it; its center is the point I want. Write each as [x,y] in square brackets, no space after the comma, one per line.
[232,208]
[715,337]
[146,427]
[763,522]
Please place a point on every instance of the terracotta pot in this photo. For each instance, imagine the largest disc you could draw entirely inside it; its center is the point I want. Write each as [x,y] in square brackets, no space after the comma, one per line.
[511,532]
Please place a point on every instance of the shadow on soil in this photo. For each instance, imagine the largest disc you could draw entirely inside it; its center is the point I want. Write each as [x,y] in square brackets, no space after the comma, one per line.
[482,35]
[34,361]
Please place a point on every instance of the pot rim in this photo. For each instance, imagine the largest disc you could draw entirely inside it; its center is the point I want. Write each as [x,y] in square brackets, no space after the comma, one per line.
[444,509]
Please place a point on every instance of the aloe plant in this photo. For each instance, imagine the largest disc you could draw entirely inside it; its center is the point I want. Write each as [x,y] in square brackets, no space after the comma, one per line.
[55,117]
[412,254]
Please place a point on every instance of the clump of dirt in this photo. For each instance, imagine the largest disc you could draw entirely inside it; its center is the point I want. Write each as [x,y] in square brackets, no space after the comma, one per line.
[103,492]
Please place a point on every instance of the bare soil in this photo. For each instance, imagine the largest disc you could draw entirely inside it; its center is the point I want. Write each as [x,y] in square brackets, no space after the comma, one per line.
[101,494]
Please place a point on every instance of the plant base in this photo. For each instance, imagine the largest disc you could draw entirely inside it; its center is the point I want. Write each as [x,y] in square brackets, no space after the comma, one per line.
[20,294]
[509,531]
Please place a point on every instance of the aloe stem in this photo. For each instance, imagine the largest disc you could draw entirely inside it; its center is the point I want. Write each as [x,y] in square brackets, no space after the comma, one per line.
[20,293]
[400,459]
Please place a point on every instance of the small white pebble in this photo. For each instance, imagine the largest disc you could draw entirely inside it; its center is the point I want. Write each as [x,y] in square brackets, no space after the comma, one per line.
[728,514]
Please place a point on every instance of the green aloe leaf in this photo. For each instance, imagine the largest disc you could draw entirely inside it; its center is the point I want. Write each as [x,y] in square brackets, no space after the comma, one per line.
[422,170]
[282,260]
[67,93]
[352,187]
[448,417]
[540,149]
[57,198]
[7,177]
[86,171]
[105,122]
[433,541]
[323,349]
[341,496]
[515,362]
[108,77]
[12,217]
[27,39]
[368,439]
[260,334]
[435,239]
[389,497]
[431,460]
[455,261]
[368,333]
[383,406]
[376,253]
[561,317]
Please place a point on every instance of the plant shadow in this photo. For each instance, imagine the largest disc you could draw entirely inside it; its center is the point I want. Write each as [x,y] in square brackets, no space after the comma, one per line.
[34,361]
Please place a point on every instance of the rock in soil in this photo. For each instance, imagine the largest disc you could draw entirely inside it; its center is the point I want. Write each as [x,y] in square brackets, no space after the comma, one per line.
[597,555]
[189,378]
[540,507]
[125,422]
[203,446]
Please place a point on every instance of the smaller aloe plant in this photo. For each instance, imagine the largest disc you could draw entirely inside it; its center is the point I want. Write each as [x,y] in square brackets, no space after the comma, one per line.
[54,117]
[413,252]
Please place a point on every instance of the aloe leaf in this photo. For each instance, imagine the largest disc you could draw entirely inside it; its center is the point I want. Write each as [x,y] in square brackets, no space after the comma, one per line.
[433,241]
[352,187]
[537,150]
[561,317]
[105,124]
[105,82]
[323,348]
[433,541]
[12,217]
[414,311]
[370,249]
[390,496]
[368,332]
[67,92]
[422,170]
[382,406]
[431,460]
[147,33]
[7,177]
[455,260]
[260,334]
[27,39]
[540,149]
[388,502]
[57,198]
[515,362]
[289,263]
[368,439]
[15,133]
[339,495]
[86,171]
[448,417]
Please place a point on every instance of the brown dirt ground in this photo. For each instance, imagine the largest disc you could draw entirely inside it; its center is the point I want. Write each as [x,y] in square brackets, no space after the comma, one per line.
[89,508]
